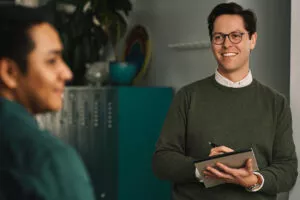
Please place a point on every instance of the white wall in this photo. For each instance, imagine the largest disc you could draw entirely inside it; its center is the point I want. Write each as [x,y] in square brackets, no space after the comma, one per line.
[295,85]
[173,21]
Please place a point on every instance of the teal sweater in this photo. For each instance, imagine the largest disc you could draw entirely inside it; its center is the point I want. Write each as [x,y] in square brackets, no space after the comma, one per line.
[34,164]
[253,116]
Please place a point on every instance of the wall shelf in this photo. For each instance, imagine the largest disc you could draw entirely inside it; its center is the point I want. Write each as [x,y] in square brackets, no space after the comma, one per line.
[190,45]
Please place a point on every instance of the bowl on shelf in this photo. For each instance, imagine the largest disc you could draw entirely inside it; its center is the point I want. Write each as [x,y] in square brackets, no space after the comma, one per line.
[122,73]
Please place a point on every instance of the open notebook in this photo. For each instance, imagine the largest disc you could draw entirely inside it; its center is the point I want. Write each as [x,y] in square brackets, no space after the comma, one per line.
[236,159]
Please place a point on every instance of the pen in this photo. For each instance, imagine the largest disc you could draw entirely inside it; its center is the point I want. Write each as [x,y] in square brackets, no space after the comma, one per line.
[213,145]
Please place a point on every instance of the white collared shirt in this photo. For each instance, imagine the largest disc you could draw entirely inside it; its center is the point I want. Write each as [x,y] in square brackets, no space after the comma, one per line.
[228,83]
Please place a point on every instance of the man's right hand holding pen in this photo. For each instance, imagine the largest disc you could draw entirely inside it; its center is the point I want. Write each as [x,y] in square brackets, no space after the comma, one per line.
[218,149]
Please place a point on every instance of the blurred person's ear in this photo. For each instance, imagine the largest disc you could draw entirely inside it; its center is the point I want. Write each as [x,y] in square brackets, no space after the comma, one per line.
[8,73]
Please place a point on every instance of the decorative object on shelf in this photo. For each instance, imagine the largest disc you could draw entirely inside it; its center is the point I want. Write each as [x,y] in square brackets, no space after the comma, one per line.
[138,50]
[97,74]
[122,73]
[88,29]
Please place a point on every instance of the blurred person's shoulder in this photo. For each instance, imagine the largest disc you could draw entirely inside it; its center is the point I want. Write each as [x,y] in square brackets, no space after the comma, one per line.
[25,143]
[32,159]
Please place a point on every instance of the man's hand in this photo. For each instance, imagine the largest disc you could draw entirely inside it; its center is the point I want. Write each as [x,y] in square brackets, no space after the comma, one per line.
[220,150]
[242,176]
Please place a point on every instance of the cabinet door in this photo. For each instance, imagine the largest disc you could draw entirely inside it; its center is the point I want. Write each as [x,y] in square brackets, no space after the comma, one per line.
[141,113]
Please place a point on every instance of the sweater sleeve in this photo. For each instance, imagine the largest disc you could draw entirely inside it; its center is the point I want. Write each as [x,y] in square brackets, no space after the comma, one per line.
[282,173]
[169,160]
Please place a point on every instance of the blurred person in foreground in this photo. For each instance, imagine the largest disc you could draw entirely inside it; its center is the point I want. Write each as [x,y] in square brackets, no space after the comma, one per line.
[34,164]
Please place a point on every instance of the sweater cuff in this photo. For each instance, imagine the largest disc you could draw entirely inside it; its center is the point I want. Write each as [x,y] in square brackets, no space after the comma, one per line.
[198,175]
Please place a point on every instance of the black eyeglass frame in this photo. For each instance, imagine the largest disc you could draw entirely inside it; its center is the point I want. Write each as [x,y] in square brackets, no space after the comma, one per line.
[227,35]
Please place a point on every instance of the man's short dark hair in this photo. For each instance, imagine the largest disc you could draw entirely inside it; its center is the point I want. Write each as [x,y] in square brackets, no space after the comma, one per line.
[248,16]
[15,40]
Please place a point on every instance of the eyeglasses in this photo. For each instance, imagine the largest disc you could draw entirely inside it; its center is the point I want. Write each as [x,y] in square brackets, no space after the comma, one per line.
[234,37]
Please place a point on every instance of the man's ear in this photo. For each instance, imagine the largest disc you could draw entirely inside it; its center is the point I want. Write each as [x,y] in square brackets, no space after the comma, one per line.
[253,40]
[9,73]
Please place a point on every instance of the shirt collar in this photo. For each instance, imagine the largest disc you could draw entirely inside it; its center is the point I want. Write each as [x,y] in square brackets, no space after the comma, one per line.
[12,108]
[228,83]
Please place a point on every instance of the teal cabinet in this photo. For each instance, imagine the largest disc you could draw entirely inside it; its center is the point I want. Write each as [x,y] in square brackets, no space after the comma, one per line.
[115,129]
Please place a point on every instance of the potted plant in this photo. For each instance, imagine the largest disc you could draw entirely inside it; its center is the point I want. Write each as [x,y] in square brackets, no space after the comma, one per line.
[88,28]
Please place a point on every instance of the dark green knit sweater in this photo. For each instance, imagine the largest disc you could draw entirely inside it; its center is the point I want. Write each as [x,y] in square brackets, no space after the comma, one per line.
[253,116]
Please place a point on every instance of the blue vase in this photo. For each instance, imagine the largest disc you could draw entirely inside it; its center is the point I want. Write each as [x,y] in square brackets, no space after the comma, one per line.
[122,73]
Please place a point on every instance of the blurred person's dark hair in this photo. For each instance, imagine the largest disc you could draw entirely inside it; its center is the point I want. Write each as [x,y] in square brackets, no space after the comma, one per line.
[15,24]
[7,2]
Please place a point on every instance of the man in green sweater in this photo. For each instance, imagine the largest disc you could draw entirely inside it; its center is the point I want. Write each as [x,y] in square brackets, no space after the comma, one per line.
[234,110]
[33,163]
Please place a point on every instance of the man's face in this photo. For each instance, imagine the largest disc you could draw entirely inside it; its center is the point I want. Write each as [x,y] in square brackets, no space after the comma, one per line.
[41,88]
[232,57]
